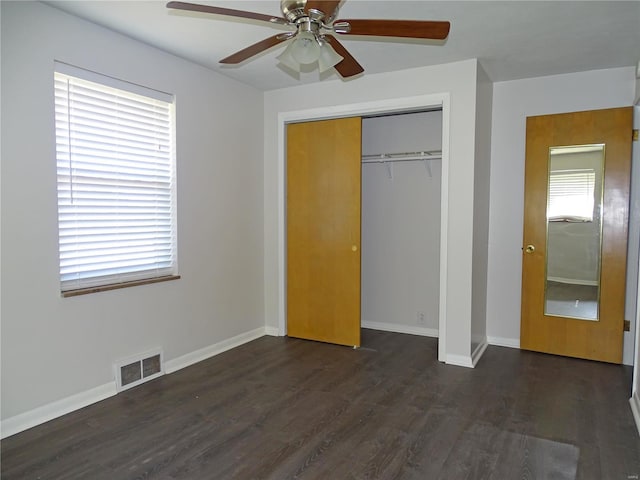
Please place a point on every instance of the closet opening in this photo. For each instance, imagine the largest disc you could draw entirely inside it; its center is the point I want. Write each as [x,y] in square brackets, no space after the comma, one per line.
[400,221]
[439,102]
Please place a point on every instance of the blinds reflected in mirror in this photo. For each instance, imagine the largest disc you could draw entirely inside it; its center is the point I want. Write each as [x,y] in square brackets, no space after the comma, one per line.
[571,195]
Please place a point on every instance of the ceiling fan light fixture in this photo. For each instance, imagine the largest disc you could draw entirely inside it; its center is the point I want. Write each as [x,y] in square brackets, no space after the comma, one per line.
[328,58]
[305,48]
[286,58]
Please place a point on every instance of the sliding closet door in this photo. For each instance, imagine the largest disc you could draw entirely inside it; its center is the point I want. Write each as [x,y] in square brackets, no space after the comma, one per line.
[323,230]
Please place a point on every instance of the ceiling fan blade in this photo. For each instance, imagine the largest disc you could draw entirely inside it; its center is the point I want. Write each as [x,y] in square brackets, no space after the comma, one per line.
[348,67]
[434,30]
[194,7]
[255,49]
[328,7]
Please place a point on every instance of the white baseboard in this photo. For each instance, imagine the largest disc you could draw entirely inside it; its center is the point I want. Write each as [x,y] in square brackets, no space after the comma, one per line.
[272,331]
[459,360]
[394,327]
[477,353]
[212,350]
[635,408]
[504,342]
[467,361]
[37,416]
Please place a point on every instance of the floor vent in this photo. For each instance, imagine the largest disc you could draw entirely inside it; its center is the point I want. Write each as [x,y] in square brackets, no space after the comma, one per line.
[138,369]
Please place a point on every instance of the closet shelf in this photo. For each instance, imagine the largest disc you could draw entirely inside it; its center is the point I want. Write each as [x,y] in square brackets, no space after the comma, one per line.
[402,157]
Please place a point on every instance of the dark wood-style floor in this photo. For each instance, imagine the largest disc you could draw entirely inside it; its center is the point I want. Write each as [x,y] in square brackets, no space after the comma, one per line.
[283,408]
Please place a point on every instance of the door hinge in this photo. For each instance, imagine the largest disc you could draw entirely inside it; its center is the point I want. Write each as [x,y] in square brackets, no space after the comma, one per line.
[634,135]
[627,326]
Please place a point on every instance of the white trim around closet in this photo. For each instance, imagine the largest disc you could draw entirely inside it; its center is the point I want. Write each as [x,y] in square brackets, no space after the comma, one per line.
[396,105]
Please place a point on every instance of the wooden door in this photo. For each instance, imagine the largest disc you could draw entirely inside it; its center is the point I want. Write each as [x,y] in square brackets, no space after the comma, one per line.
[323,230]
[595,340]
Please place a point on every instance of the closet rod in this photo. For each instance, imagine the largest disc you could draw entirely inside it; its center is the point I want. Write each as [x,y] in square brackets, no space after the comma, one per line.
[404,156]
[394,160]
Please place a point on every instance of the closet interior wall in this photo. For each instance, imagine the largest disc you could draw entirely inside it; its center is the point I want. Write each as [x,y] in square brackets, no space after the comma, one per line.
[401,224]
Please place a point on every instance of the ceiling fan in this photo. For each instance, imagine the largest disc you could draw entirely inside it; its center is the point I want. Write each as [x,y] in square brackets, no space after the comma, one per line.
[313,40]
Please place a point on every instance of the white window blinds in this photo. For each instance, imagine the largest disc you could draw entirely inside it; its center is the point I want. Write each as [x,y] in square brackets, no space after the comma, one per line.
[571,195]
[116,184]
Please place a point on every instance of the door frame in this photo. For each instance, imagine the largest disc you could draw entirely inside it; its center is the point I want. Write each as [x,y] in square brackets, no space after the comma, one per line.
[363,109]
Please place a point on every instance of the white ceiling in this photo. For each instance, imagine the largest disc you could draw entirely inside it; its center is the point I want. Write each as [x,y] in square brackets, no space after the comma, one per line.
[512,39]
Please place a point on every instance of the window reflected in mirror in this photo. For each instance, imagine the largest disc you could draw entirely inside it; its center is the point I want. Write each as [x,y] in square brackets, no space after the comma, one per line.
[574,231]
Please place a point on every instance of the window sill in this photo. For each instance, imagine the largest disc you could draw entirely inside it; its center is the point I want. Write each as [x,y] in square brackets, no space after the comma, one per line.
[116,286]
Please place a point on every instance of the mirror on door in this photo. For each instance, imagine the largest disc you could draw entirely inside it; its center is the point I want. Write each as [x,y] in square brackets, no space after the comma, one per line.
[574,231]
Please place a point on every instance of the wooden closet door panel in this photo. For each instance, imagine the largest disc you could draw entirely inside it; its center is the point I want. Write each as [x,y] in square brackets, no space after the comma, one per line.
[323,230]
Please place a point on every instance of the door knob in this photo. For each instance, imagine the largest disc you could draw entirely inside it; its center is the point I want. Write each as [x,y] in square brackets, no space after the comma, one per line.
[354,248]
[530,249]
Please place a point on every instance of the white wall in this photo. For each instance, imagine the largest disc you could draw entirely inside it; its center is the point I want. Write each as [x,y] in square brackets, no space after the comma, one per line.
[513,101]
[401,225]
[482,169]
[54,348]
[634,243]
[633,250]
[458,80]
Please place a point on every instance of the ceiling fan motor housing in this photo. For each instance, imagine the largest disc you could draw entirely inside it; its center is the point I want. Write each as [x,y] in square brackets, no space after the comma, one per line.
[293,9]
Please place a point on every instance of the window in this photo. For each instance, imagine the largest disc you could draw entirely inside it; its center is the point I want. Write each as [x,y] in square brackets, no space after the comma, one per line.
[571,195]
[116,181]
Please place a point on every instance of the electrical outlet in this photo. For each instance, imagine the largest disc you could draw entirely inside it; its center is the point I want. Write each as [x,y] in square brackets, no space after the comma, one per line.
[420,318]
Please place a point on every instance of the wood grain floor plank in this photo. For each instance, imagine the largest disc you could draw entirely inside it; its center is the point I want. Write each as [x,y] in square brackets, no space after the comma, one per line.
[280,408]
